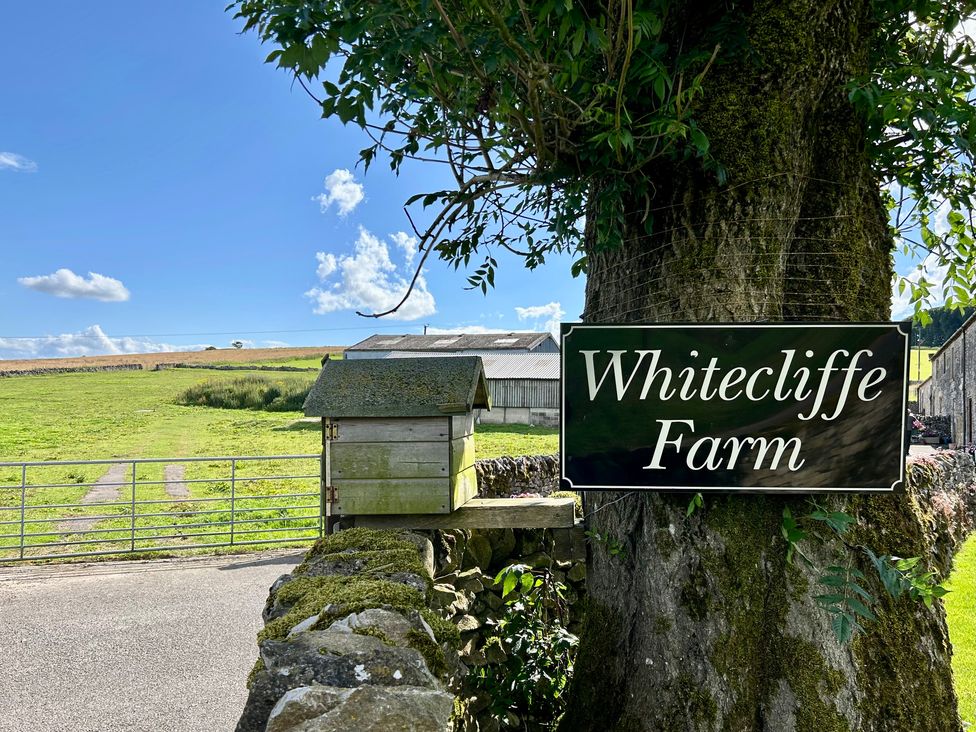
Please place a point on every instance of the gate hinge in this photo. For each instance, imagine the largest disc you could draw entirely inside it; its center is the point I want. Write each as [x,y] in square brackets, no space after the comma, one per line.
[330,431]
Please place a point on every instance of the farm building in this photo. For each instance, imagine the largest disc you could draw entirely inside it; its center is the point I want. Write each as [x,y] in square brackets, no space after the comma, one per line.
[522,369]
[951,388]
[458,344]
[524,387]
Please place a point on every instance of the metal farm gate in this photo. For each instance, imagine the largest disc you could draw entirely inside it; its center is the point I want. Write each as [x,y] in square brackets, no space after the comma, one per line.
[86,508]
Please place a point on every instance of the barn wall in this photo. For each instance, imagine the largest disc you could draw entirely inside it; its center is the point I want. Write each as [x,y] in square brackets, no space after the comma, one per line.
[538,393]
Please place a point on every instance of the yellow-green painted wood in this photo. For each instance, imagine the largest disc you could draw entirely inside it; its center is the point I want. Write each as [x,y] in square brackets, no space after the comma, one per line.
[381,460]
[395,429]
[393,496]
[462,454]
[462,425]
[464,487]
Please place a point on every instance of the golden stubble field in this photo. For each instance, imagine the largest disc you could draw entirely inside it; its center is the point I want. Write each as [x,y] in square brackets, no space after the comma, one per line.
[149,360]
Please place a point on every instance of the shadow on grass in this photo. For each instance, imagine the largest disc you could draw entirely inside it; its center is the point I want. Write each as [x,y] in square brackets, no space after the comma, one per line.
[299,426]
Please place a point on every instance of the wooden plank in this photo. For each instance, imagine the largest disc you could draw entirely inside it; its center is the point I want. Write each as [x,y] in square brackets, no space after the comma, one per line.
[462,454]
[393,429]
[462,425]
[464,487]
[381,460]
[395,496]
[487,513]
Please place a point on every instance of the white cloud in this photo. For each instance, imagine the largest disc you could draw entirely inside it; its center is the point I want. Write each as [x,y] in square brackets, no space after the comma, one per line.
[407,243]
[369,281]
[327,264]
[342,190]
[551,313]
[91,341]
[934,274]
[65,283]
[274,344]
[17,163]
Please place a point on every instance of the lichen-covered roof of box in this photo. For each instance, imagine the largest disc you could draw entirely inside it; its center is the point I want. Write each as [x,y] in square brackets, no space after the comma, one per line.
[402,387]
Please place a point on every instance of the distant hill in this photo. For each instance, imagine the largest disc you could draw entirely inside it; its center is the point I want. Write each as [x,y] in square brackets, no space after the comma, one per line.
[148,360]
[944,324]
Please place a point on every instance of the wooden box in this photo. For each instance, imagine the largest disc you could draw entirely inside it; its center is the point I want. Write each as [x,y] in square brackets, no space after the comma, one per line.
[398,434]
[402,465]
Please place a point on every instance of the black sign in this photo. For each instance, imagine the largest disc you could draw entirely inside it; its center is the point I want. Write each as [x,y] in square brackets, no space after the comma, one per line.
[797,407]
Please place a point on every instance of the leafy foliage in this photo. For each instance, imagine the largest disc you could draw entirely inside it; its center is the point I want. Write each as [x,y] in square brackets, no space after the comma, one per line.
[546,112]
[848,597]
[943,322]
[550,112]
[614,547]
[918,103]
[537,649]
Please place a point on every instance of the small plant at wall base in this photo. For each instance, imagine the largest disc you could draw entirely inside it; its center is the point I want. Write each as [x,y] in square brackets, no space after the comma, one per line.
[530,652]
[615,547]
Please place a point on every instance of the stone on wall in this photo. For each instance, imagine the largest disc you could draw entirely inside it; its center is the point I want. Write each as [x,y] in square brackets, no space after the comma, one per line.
[361,709]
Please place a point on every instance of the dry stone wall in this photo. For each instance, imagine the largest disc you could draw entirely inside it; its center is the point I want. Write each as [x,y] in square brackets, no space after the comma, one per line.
[379,630]
[506,476]
[946,482]
[71,370]
[350,642]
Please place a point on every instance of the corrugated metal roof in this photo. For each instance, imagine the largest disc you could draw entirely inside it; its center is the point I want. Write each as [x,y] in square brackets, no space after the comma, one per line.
[452,342]
[377,387]
[507,365]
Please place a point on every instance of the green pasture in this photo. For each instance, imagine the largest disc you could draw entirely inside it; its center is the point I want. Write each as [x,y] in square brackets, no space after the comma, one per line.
[308,362]
[960,605]
[919,366]
[134,414]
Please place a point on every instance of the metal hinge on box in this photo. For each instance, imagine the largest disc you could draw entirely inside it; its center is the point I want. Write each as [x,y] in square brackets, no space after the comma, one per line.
[330,431]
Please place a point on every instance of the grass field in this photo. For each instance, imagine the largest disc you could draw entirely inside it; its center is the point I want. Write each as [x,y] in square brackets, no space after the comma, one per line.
[960,606]
[920,367]
[133,414]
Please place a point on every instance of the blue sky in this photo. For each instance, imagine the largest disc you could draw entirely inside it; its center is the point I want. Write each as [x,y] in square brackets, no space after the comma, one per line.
[149,144]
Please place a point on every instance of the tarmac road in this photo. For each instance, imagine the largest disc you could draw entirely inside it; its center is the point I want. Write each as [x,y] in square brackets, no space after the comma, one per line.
[157,646]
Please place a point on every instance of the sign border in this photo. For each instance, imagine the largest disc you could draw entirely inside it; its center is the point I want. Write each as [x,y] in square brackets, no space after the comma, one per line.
[904,328]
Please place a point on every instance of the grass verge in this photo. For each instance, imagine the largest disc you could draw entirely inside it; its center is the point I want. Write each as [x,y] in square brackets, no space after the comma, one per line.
[960,605]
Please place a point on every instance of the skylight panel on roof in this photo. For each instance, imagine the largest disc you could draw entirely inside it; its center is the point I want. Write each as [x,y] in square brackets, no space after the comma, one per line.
[506,341]
[389,342]
[447,341]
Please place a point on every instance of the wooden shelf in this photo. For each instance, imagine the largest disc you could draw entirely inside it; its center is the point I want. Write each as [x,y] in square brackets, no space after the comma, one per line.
[483,513]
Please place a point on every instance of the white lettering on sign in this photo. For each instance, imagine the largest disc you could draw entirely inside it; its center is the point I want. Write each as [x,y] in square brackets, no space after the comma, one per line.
[790,380]
[732,447]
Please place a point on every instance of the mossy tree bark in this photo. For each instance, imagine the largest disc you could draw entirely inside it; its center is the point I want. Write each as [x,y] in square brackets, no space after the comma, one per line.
[701,624]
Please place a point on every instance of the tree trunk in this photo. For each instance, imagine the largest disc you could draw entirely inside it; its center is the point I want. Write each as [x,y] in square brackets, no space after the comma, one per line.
[701,624]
